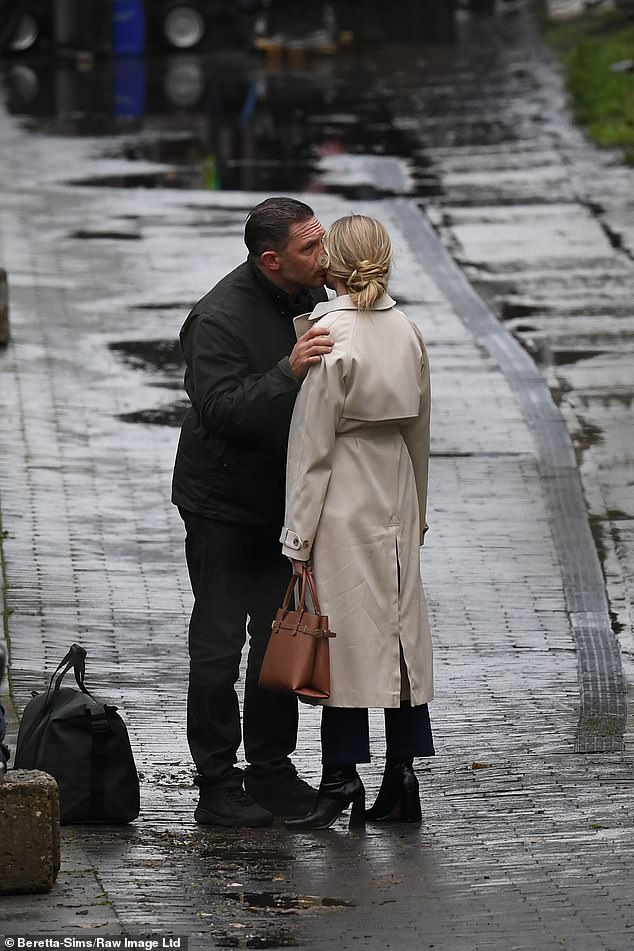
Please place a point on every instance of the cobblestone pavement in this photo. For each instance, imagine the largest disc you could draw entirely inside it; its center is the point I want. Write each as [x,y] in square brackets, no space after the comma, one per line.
[526,843]
[542,222]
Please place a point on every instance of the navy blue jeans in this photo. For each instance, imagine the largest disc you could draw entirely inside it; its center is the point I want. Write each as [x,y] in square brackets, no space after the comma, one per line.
[235,573]
[345,735]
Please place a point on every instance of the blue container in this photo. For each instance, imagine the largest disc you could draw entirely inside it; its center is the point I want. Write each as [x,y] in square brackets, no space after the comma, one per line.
[129,87]
[128,27]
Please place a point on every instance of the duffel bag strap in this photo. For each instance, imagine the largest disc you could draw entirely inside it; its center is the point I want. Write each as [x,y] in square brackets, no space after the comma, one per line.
[100,729]
[75,658]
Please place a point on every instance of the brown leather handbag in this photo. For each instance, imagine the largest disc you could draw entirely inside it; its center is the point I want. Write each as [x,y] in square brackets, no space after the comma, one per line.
[297,658]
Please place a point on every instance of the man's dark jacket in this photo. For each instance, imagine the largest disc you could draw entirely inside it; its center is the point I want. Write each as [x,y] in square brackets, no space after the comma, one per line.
[231,458]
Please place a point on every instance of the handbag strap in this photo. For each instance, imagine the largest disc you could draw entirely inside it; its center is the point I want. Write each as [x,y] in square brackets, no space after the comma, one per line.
[292,584]
[307,581]
[310,581]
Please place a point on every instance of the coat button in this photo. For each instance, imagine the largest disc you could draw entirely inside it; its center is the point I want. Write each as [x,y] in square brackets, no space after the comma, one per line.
[296,543]
[306,544]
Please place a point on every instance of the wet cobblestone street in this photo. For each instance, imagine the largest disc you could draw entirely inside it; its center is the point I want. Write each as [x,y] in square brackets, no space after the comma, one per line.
[527,836]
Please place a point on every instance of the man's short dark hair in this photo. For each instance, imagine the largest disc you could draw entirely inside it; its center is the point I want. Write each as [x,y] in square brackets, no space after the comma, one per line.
[268,225]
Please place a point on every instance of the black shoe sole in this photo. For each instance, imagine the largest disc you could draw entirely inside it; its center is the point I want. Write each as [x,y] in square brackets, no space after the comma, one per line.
[207,818]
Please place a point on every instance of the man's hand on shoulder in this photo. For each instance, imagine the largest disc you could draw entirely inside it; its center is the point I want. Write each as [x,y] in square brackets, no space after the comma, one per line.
[309,349]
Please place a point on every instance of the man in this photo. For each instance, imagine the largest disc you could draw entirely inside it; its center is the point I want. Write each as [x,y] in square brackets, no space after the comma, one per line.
[244,369]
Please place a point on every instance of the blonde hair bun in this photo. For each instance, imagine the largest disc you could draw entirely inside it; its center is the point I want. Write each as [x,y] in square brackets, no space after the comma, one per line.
[360,255]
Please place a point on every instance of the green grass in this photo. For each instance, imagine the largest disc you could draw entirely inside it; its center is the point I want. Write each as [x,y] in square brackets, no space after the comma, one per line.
[602,98]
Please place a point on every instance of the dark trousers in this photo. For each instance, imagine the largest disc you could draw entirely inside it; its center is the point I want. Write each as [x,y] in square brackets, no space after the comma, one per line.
[234,572]
[345,734]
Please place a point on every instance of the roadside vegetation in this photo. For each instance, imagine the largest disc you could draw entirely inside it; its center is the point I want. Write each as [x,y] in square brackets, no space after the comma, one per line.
[597,54]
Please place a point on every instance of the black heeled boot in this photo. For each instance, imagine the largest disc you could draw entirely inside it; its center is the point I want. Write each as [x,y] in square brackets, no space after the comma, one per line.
[398,799]
[340,787]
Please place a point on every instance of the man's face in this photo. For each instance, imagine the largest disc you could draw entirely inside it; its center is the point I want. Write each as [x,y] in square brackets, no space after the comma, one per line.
[301,263]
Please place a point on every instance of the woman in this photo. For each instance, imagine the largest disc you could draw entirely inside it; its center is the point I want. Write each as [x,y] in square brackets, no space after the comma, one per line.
[355,506]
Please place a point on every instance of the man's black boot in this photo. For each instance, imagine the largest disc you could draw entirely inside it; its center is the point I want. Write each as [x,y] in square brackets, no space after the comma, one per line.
[283,794]
[228,805]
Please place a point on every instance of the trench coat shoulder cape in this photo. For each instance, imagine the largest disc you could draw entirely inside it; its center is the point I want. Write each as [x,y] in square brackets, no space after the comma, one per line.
[231,457]
[356,496]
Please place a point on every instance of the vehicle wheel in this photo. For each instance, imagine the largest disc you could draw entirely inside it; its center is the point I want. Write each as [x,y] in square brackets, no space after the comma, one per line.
[24,86]
[184,26]
[26,34]
[184,84]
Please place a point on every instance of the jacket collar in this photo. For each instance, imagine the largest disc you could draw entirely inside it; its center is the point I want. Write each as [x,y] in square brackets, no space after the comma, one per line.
[278,297]
[303,321]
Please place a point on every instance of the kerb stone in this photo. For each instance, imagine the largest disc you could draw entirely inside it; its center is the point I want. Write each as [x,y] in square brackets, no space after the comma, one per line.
[29,831]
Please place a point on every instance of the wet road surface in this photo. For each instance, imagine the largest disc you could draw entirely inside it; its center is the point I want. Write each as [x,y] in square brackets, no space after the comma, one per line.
[525,842]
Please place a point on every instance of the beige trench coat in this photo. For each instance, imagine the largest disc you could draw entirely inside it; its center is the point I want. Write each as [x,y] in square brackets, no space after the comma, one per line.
[356,500]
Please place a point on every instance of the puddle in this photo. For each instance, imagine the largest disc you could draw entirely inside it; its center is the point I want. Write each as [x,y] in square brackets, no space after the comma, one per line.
[512,309]
[245,855]
[343,164]
[162,361]
[105,235]
[238,121]
[171,415]
[273,939]
[567,357]
[279,115]
[162,305]
[152,356]
[282,902]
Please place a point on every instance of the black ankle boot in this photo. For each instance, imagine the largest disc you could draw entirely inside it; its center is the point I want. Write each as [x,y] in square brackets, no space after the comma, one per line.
[398,799]
[340,787]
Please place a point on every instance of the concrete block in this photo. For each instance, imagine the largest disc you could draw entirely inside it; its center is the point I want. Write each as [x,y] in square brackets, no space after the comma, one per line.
[4,308]
[29,832]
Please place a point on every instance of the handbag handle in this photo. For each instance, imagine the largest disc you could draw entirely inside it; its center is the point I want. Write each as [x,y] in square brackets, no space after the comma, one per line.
[291,588]
[310,580]
[75,658]
[307,580]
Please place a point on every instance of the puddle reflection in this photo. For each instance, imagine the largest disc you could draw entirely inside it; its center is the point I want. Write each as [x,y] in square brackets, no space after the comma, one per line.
[162,357]
[274,114]
[162,360]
